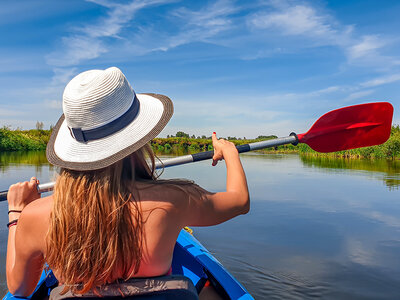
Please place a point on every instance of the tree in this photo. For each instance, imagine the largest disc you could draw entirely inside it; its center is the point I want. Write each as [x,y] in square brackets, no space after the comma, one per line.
[39,125]
[267,137]
[182,134]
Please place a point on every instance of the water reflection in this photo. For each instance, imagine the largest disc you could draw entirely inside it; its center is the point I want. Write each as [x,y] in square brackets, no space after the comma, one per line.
[386,170]
[33,158]
[317,228]
[19,166]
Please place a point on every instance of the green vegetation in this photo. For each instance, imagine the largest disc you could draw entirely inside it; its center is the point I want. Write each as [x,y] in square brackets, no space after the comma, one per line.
[182,143]
[388,150]
[19,140]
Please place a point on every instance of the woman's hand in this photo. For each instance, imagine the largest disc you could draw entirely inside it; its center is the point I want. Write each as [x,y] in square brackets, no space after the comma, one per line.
[222,149]
[22,193]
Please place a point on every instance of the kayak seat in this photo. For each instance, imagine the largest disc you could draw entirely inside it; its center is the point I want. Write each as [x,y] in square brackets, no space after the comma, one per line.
[170,287]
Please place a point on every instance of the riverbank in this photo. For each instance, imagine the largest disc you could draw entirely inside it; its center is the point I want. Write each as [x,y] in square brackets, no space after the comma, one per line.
[34,139]
[183,145]
[23,140]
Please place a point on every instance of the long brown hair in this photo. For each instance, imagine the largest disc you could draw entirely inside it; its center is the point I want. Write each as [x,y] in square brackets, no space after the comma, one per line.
[93,231]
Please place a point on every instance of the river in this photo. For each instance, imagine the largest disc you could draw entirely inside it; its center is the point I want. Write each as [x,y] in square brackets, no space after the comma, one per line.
[317,228]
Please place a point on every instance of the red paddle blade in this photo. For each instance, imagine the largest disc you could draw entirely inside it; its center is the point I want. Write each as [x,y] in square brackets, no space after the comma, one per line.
[350,127]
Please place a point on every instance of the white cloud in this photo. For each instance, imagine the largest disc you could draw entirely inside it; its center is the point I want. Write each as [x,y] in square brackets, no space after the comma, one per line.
[87,43]
[53,104]
[211,24]
[105,3]
[324,91]
[119,16]
[296,20]
[75,50]
[317,28]
[198,25]
[62,75]
[260,115]
[381,80]
[359,94]
[368,46]
[224,109]
[9,112]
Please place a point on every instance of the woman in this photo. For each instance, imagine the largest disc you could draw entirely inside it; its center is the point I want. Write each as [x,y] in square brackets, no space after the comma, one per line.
[109,218]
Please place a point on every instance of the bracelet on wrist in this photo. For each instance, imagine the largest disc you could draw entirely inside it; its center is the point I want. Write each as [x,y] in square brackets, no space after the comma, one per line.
[14,211]
[12,223]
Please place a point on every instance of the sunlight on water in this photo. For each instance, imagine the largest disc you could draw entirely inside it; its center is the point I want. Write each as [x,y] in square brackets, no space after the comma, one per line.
[317,228]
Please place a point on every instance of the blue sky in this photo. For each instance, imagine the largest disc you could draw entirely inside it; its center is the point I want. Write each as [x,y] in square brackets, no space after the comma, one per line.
[241,68]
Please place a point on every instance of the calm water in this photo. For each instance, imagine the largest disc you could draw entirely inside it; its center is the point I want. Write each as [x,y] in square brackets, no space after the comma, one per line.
[317,228]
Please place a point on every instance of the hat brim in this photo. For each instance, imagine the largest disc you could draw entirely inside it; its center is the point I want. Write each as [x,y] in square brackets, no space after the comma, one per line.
[64,151]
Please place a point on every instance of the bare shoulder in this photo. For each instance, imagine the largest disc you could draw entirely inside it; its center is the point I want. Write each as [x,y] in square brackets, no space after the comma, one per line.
[173,193]
[35,216]
[39,208]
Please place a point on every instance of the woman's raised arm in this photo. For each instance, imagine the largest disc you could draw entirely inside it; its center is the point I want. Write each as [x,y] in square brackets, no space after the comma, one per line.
[206,208]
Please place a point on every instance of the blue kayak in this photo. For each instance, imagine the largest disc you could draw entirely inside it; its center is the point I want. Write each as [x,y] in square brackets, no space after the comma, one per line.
[190,259]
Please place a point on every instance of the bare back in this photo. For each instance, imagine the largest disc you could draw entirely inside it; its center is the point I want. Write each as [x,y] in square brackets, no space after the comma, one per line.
[163,209]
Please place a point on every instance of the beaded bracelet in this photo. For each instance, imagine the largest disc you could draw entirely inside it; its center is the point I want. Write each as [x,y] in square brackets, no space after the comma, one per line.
[12,223]
[14,211]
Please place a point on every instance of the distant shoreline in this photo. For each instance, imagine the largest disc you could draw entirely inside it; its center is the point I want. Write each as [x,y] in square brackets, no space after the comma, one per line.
[37,139]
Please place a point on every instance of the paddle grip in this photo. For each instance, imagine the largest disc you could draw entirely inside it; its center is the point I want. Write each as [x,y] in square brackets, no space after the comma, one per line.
[243,148]
[3,196]
[203,155]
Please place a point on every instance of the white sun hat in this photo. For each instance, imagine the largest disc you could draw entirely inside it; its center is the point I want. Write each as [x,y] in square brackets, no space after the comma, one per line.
[104,121]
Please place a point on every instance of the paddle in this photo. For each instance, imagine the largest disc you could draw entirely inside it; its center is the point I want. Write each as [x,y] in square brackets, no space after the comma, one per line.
[341,129]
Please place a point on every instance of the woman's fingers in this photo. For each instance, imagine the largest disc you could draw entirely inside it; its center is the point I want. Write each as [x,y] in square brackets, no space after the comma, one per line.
[214,137]
[215,142]
[33,183]
[22,193]
[217,149]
